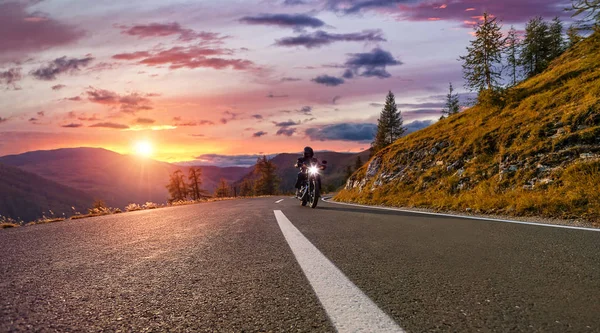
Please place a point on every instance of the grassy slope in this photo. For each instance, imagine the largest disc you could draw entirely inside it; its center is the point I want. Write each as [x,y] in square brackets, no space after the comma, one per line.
[522,159]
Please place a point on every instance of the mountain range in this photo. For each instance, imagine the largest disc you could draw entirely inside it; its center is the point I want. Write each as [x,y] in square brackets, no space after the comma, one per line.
[38,181]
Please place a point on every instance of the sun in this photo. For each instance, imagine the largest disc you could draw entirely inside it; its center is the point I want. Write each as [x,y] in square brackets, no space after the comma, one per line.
[144,148]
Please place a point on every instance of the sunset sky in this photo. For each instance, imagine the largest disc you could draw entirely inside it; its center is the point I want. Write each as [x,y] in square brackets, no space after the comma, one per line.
[200,79]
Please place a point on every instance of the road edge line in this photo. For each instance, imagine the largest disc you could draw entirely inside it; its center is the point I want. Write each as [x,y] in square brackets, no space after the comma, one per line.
[464,216]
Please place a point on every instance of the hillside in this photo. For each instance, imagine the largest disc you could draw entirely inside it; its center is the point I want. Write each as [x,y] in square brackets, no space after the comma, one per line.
[117,179]
[539,154]
[27,196]
[333,176]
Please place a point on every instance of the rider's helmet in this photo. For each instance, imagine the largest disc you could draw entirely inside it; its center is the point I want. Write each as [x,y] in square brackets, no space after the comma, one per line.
[308,152]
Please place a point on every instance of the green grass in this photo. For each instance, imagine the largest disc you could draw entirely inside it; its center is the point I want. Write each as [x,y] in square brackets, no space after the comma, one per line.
[546,133]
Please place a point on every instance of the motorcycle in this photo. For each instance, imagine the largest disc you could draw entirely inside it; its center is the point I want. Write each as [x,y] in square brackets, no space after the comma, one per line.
[310,189]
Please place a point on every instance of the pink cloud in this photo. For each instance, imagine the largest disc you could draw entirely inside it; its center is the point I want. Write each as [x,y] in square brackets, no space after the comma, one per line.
[130,103]
[187,57]
[20,32]
[170,29]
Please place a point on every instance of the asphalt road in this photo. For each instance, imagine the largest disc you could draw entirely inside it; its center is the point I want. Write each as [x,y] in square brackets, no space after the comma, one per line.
[256,265]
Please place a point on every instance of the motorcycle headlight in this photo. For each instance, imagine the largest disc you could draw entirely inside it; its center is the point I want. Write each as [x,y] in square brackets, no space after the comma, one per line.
[313,170]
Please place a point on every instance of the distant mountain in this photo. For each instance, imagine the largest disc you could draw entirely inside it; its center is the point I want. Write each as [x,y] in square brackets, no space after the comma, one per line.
[26,196]
[333,176]
[117,179]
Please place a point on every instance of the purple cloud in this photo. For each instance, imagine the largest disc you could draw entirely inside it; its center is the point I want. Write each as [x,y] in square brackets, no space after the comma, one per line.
[327,80]
[296,21]
[59,66]
[259,134]
[322,38]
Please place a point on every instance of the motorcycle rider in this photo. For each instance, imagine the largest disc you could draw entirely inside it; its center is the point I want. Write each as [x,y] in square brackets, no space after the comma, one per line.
[307,159]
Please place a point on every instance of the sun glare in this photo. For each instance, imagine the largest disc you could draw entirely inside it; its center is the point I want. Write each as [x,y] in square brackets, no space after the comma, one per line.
[144,148]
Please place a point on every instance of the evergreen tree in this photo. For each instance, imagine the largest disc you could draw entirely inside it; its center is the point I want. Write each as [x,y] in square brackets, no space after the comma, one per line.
[267,181]
[481,65]
[452,105]
[512,53]
[589,10]
[535,53]
[195,182]
[573,36]
[556,39]
[348,172]
[222,191]
[247,188]
[389,125]
[358,164]
[177,187]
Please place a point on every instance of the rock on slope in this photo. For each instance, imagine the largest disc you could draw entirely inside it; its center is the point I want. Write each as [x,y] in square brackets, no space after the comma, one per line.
[536,154]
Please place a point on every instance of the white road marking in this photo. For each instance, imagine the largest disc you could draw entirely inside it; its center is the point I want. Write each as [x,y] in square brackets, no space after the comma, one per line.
[278,201]
[464,217]
[348,308]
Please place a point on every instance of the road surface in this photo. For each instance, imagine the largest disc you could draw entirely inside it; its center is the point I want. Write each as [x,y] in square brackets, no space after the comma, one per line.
[270,265]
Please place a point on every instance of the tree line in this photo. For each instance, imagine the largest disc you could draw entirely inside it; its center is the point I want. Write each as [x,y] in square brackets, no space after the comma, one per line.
[262,181]
[494,62]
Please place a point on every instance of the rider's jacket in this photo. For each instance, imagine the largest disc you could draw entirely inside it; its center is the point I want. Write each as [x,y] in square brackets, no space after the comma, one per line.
[303,160]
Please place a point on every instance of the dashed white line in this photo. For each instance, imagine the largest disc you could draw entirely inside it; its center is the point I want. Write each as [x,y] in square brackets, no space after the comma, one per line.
[278,201]
[464,217]
[348,308]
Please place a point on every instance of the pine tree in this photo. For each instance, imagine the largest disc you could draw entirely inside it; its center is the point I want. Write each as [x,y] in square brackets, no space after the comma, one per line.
[452,105]
[589,10]
[222,191]
[195,182]
[389,125]
[481,65]
[177,187]
[267,181]
[573,36]
[359,163]
[535,53]
[348,172]
[556,39]
[512,53]
[247,188]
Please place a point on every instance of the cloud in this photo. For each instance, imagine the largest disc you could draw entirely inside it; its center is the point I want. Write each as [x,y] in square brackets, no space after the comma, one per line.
[271,95]
[294,2]
[110,125]
[130,103]
[335,99]
[327,80]
[187,57]
[290,79]
[72,125]
[364,132]
[226,160]
[228,117]
[144,121]
[355,6]
[371,64]
[22,32]
[296,21]
[170,29]
[417,125]
[286,123]
[58,87]
[466,11]
[307,110]
[257,116]
[286,131]
[59,66]
[41,113]
[11,76]
[510,11]
[322,38]
[259,134]
[3,120]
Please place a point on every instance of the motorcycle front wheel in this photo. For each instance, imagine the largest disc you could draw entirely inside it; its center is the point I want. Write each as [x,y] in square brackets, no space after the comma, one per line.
[314,194]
